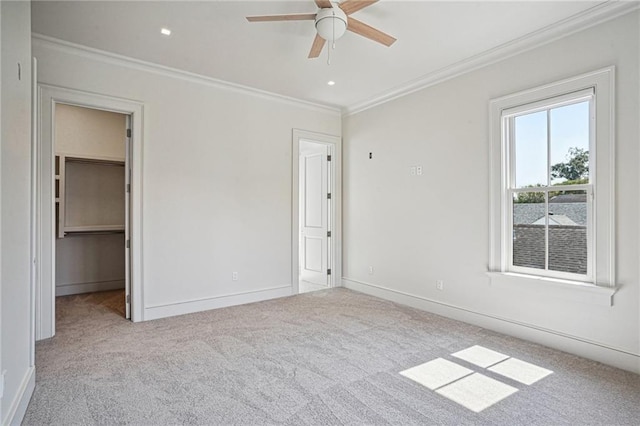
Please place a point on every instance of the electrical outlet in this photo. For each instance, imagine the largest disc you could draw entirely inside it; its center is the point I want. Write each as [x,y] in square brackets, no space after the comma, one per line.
[412,170]
[419,170]
[370,270]
[234,276]
[440,285]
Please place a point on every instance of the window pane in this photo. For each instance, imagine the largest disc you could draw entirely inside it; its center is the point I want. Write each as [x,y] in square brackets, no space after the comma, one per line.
[569,134]
[568,231]
[531,149]
[529,229]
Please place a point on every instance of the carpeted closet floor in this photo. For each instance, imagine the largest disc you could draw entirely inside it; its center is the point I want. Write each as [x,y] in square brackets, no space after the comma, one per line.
[325,358]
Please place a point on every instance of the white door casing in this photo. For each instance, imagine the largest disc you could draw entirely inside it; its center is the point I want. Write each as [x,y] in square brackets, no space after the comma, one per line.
[49,96]
[314,209]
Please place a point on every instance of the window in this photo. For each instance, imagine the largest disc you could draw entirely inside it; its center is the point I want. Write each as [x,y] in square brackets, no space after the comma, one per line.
[549,185]
[552,177]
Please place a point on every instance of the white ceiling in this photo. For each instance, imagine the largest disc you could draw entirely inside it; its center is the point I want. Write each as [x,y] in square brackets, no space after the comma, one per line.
[214,39]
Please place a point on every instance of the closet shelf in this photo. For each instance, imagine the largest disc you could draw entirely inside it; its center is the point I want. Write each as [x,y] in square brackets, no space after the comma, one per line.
[80,233]
[90,195]
[94,160]
[94,228]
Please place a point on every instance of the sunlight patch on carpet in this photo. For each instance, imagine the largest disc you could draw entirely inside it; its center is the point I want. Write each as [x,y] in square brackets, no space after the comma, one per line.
[480,356]
[469,388]
[436,373]
[477,392]
[520,371]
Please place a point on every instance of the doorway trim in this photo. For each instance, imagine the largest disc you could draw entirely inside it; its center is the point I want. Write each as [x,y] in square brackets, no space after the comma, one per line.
[49,96]
[335,171]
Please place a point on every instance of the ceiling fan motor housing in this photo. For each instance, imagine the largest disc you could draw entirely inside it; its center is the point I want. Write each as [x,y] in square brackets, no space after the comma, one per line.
[331,23]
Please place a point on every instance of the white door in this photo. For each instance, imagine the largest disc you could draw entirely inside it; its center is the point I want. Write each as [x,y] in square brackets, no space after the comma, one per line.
[314,209]
[127,221]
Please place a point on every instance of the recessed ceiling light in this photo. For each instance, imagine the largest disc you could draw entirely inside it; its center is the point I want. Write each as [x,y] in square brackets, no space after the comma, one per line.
[331,83]
[165,31]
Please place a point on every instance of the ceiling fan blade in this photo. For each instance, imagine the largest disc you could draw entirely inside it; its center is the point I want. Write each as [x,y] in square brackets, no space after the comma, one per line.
[371,33]
[324,4]
[351,6]
[294,17]
[316,47]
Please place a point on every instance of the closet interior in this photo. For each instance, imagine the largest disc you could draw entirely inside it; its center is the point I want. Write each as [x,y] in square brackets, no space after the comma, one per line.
[90,200]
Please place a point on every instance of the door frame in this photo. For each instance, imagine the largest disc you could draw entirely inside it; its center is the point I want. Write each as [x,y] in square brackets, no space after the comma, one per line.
[335,213]
[49,96]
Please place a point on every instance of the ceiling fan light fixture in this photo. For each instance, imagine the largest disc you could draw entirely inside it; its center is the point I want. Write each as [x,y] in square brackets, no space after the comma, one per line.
[332,20]
[331,24]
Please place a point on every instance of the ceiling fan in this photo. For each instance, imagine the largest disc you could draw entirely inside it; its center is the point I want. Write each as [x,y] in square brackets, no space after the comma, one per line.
[332,21]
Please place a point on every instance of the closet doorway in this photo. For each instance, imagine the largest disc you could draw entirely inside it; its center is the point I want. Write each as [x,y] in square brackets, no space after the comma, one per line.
[88,202]
[92,177]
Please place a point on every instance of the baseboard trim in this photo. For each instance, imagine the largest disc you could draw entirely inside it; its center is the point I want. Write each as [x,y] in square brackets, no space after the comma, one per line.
[18,407]
[199,305]
[573,344]
[79,288]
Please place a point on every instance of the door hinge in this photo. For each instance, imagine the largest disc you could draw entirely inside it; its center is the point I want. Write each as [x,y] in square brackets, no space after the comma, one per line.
[328,157]
[328,196]
[128,243]
[328,271]
[128,187]
[128,133]
[328,233]
[128,298]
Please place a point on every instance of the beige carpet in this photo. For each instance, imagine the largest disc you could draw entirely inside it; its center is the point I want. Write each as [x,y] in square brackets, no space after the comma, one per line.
[323,358]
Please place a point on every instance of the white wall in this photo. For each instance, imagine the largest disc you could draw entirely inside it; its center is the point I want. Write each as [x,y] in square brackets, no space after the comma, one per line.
[216,179]
[86,263]
[415,230]
[15,223]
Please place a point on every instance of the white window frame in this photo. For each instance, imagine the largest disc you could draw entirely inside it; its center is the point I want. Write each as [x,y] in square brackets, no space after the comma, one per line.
[599,87]
[508,117]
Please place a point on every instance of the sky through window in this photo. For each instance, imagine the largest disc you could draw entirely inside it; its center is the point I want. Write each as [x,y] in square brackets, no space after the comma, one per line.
[569,128]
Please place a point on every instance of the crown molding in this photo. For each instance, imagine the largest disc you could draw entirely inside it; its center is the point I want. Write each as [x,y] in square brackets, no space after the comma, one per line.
[593,16]
[53,43]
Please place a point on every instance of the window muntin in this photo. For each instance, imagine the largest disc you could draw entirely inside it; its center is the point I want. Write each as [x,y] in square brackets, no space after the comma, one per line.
[550,186]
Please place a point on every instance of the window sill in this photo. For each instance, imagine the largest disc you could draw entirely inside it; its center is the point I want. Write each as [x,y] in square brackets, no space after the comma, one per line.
[571,290]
